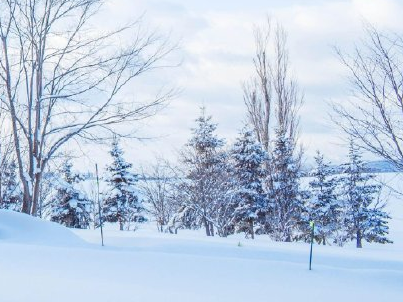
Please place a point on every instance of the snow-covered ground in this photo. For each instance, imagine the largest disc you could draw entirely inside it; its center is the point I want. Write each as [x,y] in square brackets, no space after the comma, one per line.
[41,261]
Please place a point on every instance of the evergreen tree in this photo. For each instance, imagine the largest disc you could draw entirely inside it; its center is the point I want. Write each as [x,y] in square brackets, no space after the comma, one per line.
[223,204]
[10,191]
[364,215]
[248,158]
[121,204]
[70,206]
[204,162]
[324,207]
[285,197]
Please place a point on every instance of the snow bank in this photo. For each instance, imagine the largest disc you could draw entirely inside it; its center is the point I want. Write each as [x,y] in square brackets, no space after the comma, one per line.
[149,266]
[22,228]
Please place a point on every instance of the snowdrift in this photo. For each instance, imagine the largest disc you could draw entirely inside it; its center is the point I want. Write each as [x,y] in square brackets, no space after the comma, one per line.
[21,228]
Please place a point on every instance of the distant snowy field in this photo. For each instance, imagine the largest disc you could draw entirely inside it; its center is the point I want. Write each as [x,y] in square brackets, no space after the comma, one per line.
[41,261]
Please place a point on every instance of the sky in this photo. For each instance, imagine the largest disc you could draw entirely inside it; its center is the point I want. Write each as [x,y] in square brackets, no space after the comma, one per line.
[216,48]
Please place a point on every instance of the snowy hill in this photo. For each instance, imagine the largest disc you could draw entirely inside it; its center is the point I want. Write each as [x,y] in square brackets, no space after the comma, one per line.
[25,229]
[41,261]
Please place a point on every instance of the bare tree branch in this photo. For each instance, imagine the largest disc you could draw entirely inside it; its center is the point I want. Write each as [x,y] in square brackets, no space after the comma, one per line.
[373,115]
[63,79]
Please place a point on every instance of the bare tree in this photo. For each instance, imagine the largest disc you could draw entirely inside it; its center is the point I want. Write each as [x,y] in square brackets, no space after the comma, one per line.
[62,79]
[157,189]
[372,117]
[272,96]
[273,99]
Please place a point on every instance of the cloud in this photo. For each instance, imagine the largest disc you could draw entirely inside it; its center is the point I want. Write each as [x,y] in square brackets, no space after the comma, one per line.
[217,48]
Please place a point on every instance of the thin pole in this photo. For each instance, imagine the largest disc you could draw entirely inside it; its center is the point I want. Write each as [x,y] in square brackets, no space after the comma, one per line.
[312,224]
[99,207]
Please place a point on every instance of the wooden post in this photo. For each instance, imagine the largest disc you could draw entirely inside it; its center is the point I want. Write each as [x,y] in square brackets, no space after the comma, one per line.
[312,224]
[99,207]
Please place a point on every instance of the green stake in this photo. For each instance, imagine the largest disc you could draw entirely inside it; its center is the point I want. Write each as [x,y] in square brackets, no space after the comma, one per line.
[312,225]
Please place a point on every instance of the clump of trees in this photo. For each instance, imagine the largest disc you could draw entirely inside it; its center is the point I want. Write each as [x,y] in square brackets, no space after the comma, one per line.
[345,206]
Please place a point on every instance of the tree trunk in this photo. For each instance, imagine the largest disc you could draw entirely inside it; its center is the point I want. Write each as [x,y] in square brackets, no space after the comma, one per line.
[35,199]
[359,240]
[211,229]
[206,225]
[26,201]
[120,225]
[252,232]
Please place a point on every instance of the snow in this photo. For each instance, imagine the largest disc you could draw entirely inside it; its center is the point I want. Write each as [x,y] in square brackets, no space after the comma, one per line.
[42,261]
[24,229]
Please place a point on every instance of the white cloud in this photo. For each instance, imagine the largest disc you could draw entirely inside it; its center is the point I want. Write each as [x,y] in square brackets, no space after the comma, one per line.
[217,47]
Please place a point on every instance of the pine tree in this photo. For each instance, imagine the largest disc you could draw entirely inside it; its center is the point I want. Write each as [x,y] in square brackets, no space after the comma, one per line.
[324,207]
[10,190]
[285,201]
[204,163]
[249,198]
[365,218]
[69,205]
[223,204]
[121,204]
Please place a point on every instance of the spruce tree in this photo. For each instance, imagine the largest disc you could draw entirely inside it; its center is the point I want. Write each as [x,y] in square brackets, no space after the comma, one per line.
[10,197]
[285,202]
[324,207]
[69,205]
[122,203]
[248,195]
[204,163]
[364,215]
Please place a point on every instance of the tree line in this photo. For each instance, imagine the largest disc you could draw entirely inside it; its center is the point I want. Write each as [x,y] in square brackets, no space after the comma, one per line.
[242,188]
[226,190]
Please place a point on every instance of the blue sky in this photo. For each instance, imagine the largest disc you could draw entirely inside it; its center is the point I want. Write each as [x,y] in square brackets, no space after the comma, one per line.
[216,39]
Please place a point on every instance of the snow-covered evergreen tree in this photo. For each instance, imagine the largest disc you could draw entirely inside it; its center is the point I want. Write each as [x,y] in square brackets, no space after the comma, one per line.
[10,191]
[225,203]
[121,203]
[364,215]
[204,163]
[285,202]
[69,205]
[324,207]
[249,199]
